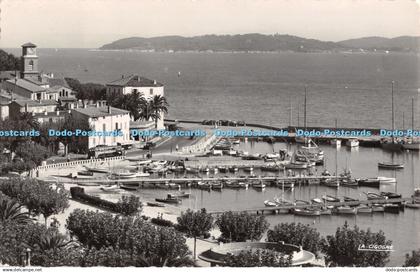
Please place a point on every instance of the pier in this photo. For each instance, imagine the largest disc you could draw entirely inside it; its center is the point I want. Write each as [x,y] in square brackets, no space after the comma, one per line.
[275,210]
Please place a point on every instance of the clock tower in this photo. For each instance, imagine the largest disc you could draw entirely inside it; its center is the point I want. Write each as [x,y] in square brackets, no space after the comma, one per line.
[29,61]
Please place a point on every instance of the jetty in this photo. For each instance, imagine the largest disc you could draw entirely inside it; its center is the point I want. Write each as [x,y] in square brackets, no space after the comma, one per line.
[275,210]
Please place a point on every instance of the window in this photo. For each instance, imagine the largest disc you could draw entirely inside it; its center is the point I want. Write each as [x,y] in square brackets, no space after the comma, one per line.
[31,65]
[151,91]
[103,127]
[116,125]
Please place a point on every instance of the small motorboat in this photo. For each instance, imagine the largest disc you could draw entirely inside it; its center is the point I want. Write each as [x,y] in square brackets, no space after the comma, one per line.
[97,169]
[248,169]
[243,185]
[352,142]
[349,199]
[204,185]
[109,188]
[285,184]
[306,212]
[85,173]
[223,169]
[129,187]
[317,201]
[368,182]
[331,183]
[329,198]
[217,186]
[90,184]
[192,170]
[169,200]
[180,195]
[378,208]
[335,142]
[390,165]
[346,210]
[233,169]
[155,204]
[391,195]
[232,184]
[269,203]
[301,202]
[386,180]
[259,185]
[349,183]
[392,208]
[412,205]
[364,209]
[325,211]
[374,196]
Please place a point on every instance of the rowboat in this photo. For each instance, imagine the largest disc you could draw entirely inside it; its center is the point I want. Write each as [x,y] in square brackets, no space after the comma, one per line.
[391,195]
[346,210]
[325,211]
[85,173]
[129,187]
[306,212]
[192,170]
[128,175]
[390,165]
[110,188]
[301,202]
[223,169]
[294,165]
[269,203]
[154,204]
[374,196]
[349,199]
[329,198]
[233,169]
[259,185]
[364,209]
[232,184]
[87,184]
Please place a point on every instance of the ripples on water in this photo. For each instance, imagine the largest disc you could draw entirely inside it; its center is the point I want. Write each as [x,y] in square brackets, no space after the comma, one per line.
[355,88]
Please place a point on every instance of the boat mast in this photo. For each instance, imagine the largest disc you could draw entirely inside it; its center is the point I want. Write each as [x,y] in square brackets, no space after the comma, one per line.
[336,155]
[392,107]
[304,110]
[412,115]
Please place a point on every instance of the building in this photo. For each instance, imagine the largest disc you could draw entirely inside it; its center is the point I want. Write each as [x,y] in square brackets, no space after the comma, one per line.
[135,83]
[105,119]
[17,107]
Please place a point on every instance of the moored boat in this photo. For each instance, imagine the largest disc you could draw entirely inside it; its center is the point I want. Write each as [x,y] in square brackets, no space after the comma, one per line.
[392,208]
[269,203]
[109,188]
[346,210]
[129,187]
[364,209]
[352,142]
[391,195]
[390,165]
[306,212]
[155,204]
[368,182]
[349,183]
[378,208]
[375,196]
[169,200]
[204,185]
[217,186]
[412,205]
[329,198]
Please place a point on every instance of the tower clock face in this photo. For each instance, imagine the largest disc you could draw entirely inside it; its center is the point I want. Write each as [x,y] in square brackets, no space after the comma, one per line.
[31,50]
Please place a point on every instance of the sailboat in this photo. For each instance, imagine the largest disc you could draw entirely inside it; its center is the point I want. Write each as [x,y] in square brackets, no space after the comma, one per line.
[393,144]
[411,143]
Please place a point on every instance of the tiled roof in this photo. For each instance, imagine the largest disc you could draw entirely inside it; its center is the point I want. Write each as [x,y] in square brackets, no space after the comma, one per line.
[58,82]
[35,103]
[94,111]
[135,81]
[28,44]
[27,85]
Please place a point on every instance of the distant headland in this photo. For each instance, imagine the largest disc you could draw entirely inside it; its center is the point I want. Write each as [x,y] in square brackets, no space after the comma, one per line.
[263,43]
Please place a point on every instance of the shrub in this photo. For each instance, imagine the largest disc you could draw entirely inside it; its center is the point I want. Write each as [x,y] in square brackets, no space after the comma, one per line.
[162,222]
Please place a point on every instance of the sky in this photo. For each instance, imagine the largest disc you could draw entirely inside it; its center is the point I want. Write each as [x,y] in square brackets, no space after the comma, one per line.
[92,23]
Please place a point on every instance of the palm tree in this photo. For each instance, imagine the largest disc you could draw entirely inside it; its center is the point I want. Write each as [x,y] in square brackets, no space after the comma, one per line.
[158,105]
[27,119]
[10,211]
[53,240]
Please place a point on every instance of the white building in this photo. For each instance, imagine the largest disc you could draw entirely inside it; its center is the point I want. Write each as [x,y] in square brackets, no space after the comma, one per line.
[105,119]
[129,84]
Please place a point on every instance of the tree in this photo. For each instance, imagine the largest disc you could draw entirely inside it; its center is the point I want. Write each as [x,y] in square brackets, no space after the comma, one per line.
[123,236]
[90,91]
[8,62]
[413,260]
[133,102]
[297,234]
[158,105]
[11,210]
[75,144]
[195,224]
[258,258]
[342,249]
[129,205]
[240,227]
[38,196]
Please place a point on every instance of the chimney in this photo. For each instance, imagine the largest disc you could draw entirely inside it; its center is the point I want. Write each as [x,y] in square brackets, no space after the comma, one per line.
[154,82]
[138,78]
[45,113]
[26,107]
[122,76]
[58,113]
[109,109]
[98,104]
